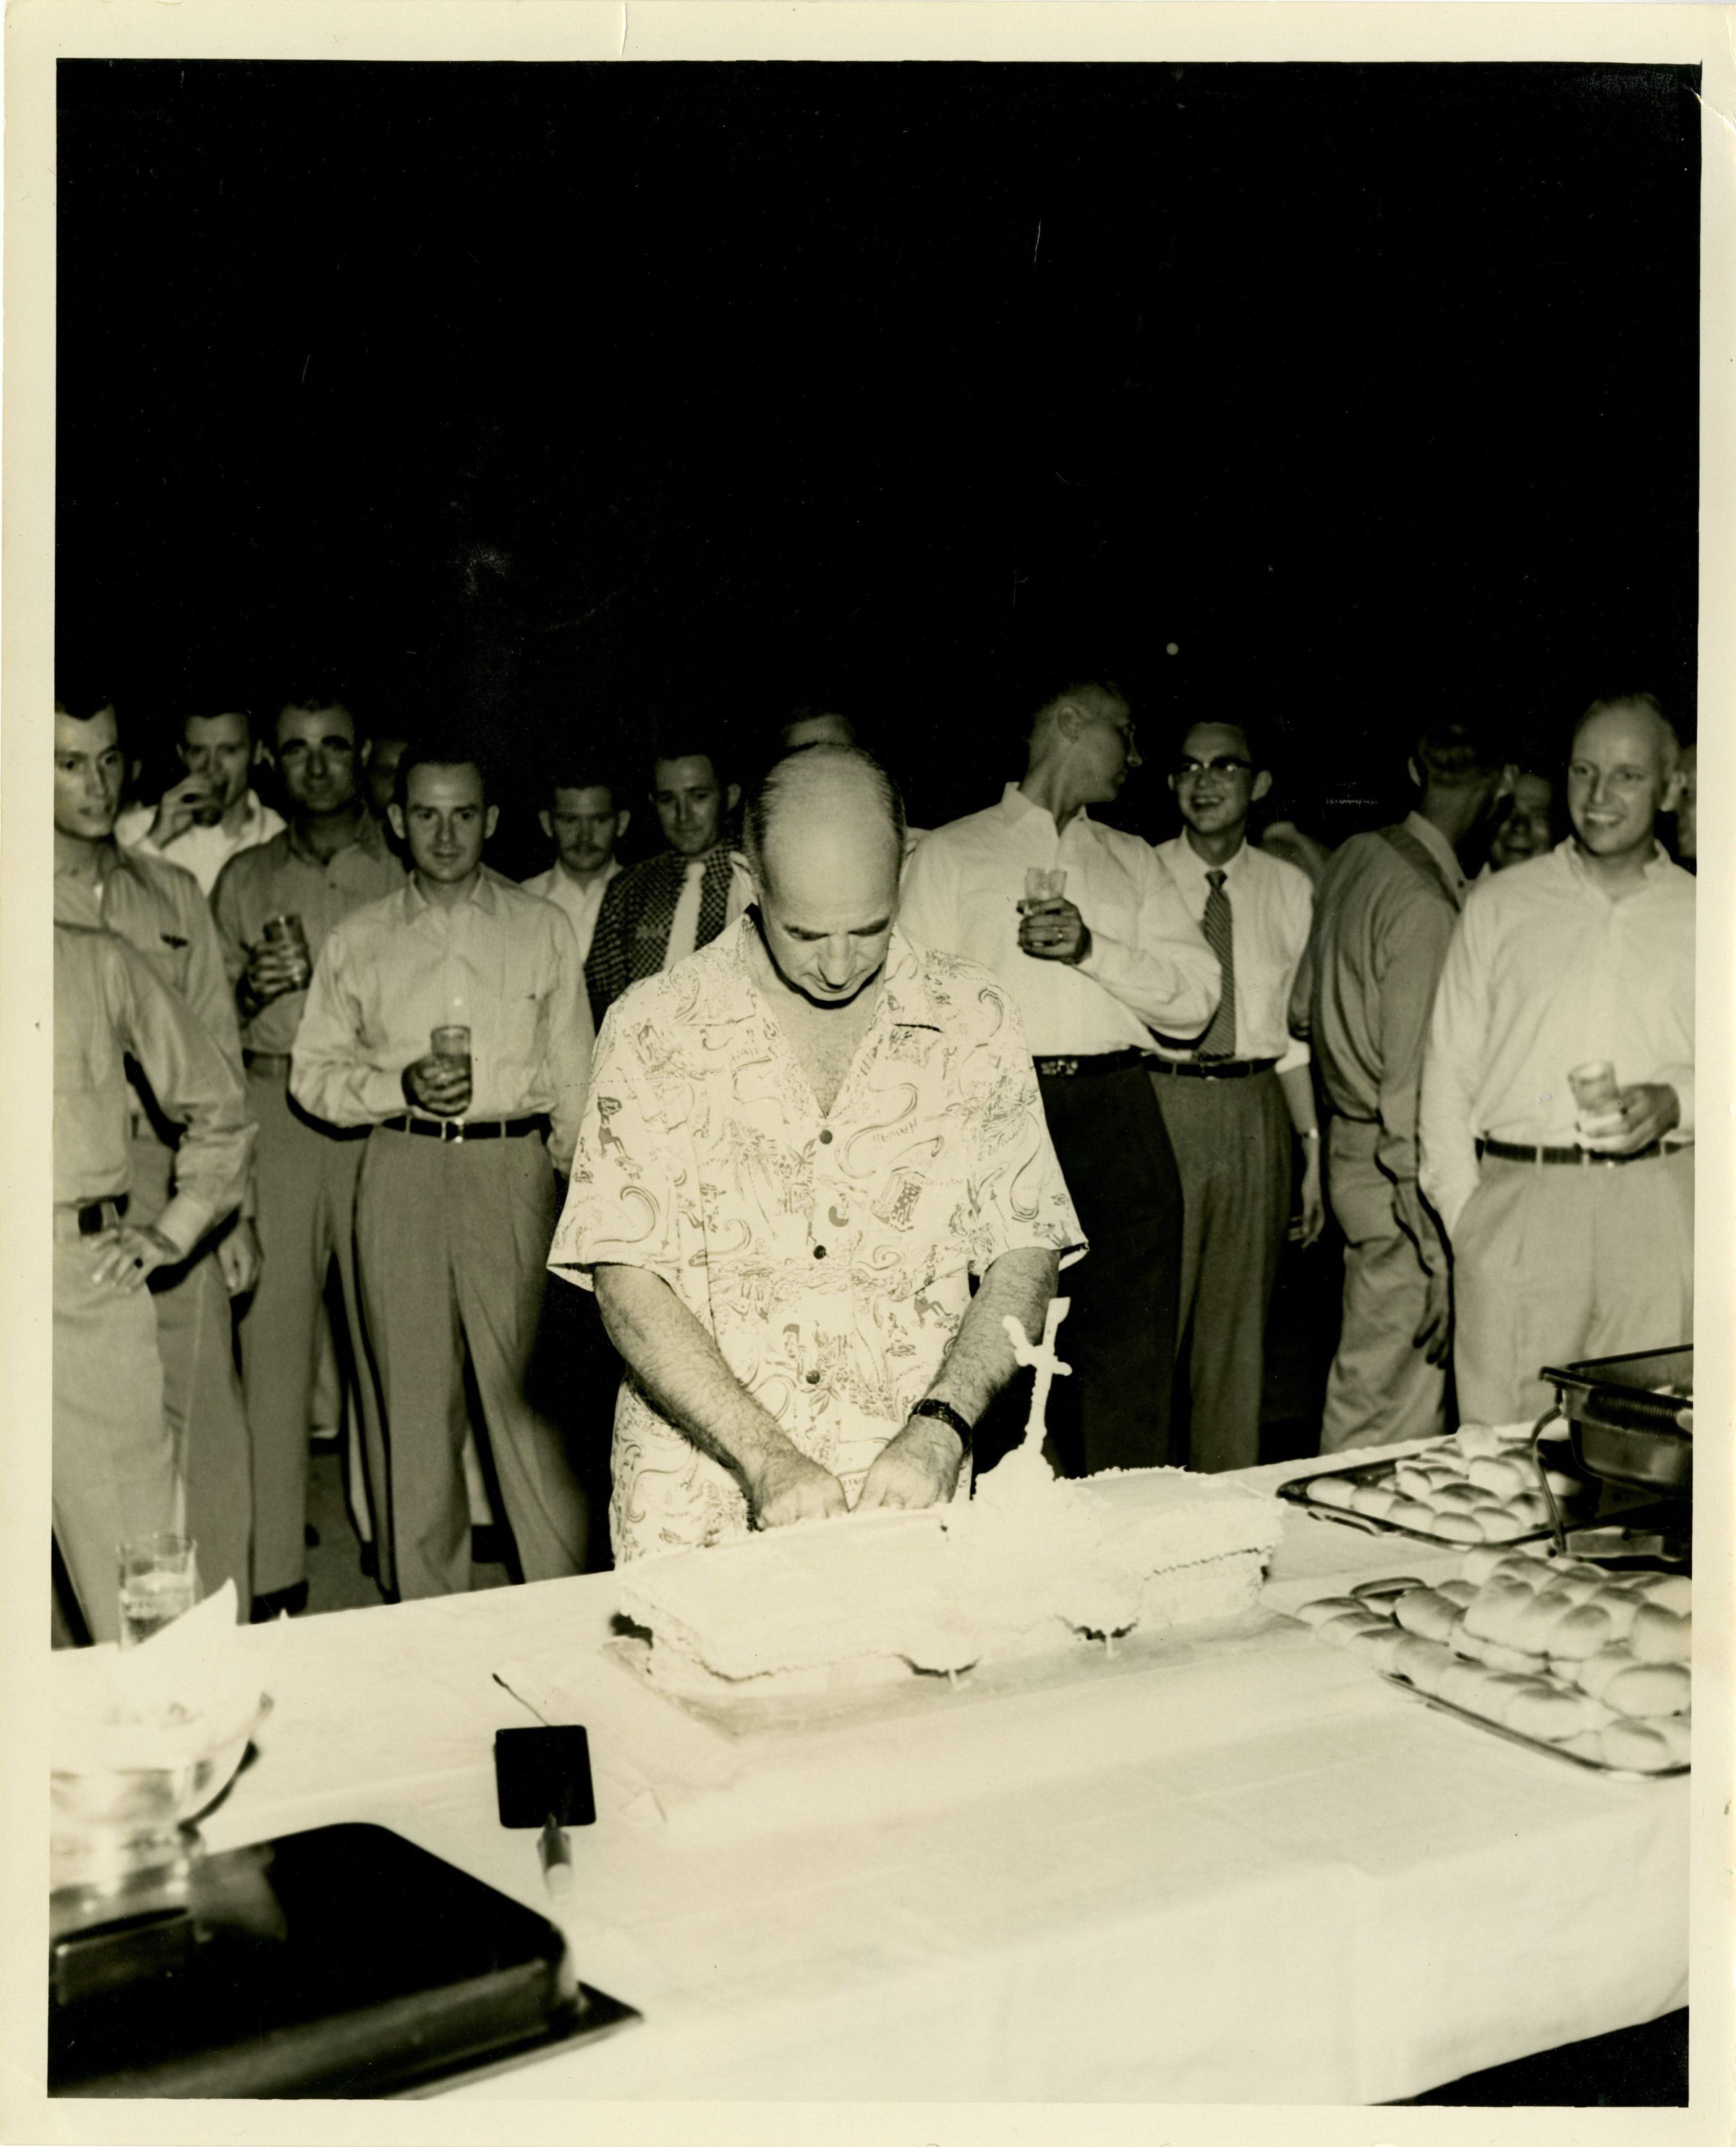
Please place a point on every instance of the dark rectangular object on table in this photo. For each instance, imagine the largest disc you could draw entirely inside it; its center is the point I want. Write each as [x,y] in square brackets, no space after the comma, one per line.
[342,1962]
[1625,1429]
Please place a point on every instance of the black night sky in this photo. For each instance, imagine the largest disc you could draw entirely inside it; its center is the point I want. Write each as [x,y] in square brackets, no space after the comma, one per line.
[562,391]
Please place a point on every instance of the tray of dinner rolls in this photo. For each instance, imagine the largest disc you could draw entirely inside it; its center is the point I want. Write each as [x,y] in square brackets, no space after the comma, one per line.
[1484,1484]
[1589,1666]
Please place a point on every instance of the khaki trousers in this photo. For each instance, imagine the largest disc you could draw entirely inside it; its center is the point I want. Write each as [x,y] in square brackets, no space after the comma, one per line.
[114,1472]
[201,1398]
[1381,1389]
[305,1175]
[1232,1143]
[452,1243]
[1557,1262]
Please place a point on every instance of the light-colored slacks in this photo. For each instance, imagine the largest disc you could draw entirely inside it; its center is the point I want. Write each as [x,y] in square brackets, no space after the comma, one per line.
[1381,1387]
[452,1240]
[306,1179]
[201,1398]
[1232,1143]
[113,1470]
[1557,1262]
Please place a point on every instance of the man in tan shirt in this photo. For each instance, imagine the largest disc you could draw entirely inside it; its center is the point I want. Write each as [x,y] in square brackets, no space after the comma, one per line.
[457,1199]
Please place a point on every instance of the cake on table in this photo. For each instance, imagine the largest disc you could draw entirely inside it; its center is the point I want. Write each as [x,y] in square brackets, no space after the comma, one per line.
[1032,1565]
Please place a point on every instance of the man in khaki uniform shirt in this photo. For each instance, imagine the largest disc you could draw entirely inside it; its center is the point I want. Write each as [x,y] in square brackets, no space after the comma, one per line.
[331,860]
[157,909]
[115,1467]
[456,1199]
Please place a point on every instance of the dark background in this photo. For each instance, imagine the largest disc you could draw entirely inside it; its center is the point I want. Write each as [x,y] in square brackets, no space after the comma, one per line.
[582,395]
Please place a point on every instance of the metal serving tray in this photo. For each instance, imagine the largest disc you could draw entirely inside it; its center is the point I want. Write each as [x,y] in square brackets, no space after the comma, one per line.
[1532,1744]
[1376,1472]
[1623,1429]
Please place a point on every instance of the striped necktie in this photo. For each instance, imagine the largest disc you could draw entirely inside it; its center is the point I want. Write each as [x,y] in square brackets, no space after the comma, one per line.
[1220,1040]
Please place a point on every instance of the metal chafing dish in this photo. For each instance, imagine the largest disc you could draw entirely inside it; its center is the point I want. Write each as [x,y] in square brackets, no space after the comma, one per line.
[1631,1419]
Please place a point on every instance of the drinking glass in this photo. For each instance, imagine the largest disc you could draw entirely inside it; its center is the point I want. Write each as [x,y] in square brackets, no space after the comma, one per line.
[451,1041]
[159,1576]
[1044,883]
[286,932]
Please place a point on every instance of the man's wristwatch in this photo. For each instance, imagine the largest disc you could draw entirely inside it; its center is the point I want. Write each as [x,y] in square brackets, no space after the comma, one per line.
[944,1413]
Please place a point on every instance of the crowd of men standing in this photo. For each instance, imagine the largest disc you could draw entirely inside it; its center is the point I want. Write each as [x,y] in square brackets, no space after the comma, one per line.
[805,1101]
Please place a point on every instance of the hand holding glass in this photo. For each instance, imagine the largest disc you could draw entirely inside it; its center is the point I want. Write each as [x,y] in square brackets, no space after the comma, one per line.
[1044,883]
[159,1576]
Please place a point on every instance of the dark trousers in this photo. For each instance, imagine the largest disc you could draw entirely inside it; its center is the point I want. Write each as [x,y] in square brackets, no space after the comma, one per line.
[1119,1336]
[1232,1142]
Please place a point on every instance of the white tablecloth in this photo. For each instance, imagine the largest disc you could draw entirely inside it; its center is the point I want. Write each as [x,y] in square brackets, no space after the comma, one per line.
[1347,1902]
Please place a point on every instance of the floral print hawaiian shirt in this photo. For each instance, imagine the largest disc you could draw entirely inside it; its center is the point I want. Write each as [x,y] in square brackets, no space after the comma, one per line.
[829,1256]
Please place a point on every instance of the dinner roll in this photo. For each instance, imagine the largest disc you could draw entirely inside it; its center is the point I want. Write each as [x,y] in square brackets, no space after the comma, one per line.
[1422,1663]
[1659,1635]
[1550,1714]
[1500,1525]
[1379,1648]
[1373,1499]
[1501,1688]
[1532,1507]
[1495,1608]
[1636,1745]
[1456,1591]
[1588,1744]
[1577,1568]
[1463,1684]
[1585,1629]
[1649,1689]
[1427,1613]
[1672,1591]
[1478,1564]
[1677,1731]
[1594,1674]
[1411,1482]
[1535,1624]
[1340,1630]
[1478,1441]
[1454,1526]
[1457,1498]
[1332,1491]
[1410,1513]
[1324,1606]
[1495,1655]
[1621,1603]
[1502,1478]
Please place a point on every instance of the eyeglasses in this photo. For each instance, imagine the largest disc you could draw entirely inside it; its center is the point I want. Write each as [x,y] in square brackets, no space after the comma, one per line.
[1224,763]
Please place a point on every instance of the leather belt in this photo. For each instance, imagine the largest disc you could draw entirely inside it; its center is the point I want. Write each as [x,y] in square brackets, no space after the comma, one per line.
[467,1129]
[1091,1062]
[1213,1069]
[1512,1152]
[91,1218]
[266,1062]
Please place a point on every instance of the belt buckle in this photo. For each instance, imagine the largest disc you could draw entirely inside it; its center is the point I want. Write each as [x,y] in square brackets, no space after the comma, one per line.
[452,1129]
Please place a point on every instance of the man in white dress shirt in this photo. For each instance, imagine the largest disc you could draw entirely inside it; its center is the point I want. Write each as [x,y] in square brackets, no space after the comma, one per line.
[202,821]
[583,822]
[1231,1101]
[1572,1235]
[1093,969]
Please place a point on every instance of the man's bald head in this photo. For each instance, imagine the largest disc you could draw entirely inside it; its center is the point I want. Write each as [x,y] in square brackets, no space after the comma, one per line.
[1624,770]
[824,834]
[1643,710]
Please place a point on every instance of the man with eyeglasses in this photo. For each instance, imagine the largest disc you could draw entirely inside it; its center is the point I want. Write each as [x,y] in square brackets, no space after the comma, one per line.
[1384,916]
[1095,956]
[1572,1225]
[1233,1101]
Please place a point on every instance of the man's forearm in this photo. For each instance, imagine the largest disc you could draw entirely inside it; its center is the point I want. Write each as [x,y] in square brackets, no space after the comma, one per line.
[1298,1083]
[682,1372]
[980,1361]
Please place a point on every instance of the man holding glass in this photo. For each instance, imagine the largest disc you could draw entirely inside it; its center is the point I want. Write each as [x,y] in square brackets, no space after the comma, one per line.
[276,904]
[1095,954]
[1232,1101]
[450,1019]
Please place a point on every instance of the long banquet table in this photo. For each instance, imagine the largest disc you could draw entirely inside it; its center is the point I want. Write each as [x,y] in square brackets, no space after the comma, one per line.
[1270,1877]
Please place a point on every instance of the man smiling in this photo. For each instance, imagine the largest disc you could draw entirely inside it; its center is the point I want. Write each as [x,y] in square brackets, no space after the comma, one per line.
[1571,1237]
[800,1146]
[457,1199]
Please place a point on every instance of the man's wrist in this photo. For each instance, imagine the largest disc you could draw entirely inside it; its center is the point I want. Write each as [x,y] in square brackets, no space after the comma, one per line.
[933,1410]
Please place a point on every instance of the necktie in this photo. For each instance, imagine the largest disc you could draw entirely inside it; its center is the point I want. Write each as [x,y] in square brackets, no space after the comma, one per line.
[1220,1040]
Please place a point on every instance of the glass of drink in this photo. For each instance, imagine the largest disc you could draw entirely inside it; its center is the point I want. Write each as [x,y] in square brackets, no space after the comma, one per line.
[1044,883]
[159,1577]
[450,1043]
[1594,1087]
[286,933]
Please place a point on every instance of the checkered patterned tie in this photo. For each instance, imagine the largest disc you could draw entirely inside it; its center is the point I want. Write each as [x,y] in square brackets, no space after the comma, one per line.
[1220,1040]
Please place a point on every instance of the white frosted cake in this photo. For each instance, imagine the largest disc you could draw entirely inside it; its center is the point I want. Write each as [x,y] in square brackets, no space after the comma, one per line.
[1031,1566]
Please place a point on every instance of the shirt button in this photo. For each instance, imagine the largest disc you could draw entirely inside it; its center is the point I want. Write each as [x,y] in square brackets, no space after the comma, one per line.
[820,1252]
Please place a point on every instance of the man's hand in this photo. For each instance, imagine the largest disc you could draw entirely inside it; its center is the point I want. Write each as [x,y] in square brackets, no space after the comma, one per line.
[1434,1334]
[784,1486]
[1313,1200]
[273,971]
[180,807]
[1643,1115]
[1053,930]
[918,1468]
[128,1255]
[238,1259]
[438,1085]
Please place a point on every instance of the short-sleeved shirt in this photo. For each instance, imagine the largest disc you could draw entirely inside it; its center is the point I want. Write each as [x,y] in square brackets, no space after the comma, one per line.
[829,1255]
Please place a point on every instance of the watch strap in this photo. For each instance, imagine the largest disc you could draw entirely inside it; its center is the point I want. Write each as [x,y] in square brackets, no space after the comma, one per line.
[944,1413]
